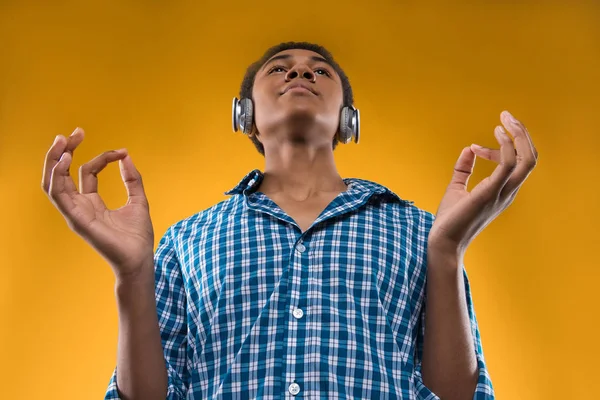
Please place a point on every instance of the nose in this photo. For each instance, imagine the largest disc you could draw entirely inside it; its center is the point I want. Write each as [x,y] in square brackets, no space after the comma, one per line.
[302,71]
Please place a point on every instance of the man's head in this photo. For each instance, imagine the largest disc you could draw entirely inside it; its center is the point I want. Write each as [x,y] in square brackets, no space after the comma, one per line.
[298,91]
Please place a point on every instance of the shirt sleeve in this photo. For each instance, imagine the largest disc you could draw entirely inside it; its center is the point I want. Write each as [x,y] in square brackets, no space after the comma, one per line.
[171,308]
[484,389]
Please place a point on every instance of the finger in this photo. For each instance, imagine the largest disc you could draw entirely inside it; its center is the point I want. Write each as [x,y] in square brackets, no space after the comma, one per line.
[74,140]
[515,181]
[507,163]
[463,169]
[523,141]
[486,153]
[132,180]
[526,153]
[61,187]
[52,157]
[88,172]
[60,145]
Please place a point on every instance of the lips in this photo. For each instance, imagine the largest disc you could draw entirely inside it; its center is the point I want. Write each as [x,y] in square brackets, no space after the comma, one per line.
[299,86]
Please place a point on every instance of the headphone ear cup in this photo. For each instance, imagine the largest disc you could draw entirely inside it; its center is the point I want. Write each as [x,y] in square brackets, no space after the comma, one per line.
[356,125]
[247,116]
[235,114]
[242,115]
[345,132]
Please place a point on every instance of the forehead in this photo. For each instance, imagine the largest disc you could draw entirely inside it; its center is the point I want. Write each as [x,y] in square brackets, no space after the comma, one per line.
[297,55]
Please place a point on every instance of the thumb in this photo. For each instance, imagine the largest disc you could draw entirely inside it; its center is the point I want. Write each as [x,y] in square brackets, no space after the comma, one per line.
[463,169]
[132,180]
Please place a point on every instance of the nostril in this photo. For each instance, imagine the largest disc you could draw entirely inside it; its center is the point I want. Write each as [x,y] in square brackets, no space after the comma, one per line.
[307,75]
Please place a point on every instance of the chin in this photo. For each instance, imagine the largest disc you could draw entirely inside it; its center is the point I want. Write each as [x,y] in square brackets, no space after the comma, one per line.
[300,117]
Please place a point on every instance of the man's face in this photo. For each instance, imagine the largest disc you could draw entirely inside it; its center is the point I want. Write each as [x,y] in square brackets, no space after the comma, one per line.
[296,92]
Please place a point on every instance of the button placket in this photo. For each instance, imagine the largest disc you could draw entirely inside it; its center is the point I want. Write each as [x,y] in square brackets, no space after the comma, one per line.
[297,313]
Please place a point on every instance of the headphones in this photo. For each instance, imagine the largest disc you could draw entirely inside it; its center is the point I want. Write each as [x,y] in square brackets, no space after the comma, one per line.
[242,114]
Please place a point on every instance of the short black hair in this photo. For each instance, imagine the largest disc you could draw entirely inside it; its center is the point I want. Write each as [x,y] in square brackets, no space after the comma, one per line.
[248,81]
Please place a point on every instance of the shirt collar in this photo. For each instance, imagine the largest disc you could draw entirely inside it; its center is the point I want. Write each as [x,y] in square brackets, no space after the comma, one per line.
[252,180]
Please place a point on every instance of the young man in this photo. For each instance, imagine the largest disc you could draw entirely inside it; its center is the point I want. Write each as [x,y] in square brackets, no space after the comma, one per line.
[301,284]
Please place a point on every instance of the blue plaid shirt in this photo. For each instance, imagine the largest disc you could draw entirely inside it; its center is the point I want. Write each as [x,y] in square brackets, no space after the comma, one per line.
[251,307]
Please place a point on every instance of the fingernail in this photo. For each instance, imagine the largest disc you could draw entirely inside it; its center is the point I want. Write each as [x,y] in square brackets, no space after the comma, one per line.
[499,133]
[477,146]
[74,132]
[56,139]
[510,117]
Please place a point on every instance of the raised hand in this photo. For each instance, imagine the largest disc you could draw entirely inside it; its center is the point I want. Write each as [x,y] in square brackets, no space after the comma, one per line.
[124,237]
[461,214]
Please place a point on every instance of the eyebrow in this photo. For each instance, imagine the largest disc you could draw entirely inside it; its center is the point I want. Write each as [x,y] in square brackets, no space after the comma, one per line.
[288,56]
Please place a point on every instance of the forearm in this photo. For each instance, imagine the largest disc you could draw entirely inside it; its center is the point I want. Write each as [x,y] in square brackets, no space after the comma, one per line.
[141,368]
[449,365]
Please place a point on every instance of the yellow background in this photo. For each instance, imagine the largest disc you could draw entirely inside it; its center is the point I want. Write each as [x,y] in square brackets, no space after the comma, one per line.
[158,78]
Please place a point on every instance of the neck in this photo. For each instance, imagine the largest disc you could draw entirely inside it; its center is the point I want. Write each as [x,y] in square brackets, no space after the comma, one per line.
[300,172]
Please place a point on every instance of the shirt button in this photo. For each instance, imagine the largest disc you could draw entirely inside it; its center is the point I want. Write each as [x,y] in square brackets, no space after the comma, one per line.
[301,248]
[294,389]
[298,313]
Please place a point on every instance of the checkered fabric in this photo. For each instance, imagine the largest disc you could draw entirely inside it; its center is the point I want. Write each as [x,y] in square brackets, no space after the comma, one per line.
[251,307]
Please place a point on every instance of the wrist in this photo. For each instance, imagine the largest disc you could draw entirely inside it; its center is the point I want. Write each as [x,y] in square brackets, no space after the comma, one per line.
[444,255]
[135,277]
